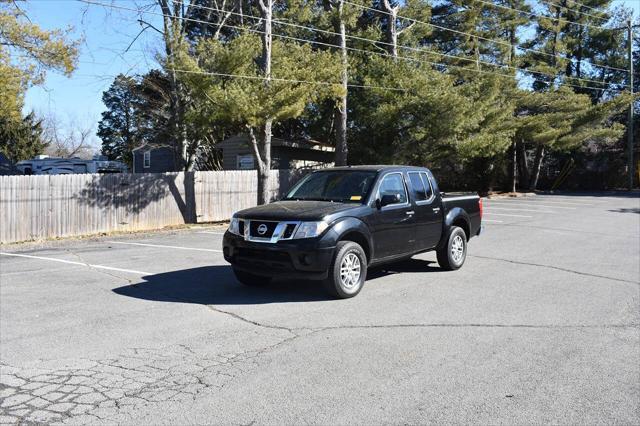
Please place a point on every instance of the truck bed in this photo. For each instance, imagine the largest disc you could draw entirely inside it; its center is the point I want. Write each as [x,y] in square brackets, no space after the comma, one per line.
[469,202]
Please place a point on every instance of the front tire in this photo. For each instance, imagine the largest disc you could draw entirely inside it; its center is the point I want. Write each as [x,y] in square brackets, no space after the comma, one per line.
[348,270]
[249,279]
[453,254]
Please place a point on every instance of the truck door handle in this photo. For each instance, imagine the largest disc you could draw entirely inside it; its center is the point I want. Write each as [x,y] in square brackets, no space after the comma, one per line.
[436,210]
[410,212]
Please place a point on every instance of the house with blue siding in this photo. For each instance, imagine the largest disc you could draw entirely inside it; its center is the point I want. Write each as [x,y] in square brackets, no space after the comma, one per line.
[154,159]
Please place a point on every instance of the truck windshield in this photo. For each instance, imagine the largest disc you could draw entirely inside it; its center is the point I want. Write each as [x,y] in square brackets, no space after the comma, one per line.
[338,185]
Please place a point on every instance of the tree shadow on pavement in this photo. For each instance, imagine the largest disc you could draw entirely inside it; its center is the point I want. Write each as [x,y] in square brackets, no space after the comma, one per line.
[216,285]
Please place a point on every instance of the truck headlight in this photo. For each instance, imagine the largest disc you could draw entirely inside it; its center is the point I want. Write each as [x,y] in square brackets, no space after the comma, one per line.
[234,226]
[310,229]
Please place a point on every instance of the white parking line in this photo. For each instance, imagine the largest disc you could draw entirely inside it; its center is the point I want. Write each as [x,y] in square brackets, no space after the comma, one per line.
[531,205]
[491,220]
[572,199]
[510,215]
[109,268]
[164,246]
[519,210]
[562,202]
[538,200]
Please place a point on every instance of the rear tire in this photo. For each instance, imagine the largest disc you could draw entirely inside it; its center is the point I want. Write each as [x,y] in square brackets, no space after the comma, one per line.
[249,279]
[453,254]
[348,270]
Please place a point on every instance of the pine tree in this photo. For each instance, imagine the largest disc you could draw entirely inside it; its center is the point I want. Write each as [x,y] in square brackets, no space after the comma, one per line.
[563,120]
[21,140]
[119,128]
[236,93]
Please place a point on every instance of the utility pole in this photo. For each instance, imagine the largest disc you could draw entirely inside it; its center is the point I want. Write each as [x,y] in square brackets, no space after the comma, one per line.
[630,164]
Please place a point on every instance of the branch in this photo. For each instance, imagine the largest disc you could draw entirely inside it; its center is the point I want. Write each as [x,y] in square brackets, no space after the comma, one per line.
[22,12]
[143,22]
[139,34]
[221,25]
[254,145]
[407,28]
[263,6]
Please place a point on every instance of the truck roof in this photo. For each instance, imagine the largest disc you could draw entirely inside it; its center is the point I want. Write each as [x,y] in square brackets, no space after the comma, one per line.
[376,168]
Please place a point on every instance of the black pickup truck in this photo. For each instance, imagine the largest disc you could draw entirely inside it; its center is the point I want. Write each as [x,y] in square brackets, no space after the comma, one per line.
[335,223]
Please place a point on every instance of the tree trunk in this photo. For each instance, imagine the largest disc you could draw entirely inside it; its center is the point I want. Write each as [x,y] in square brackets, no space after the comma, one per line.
[514,168]
[522,161]
[514,146]
[579,53]
[537,163]
[476,51]
[263,159]
[392,27]
[265,171]
[342,150]
[173,26]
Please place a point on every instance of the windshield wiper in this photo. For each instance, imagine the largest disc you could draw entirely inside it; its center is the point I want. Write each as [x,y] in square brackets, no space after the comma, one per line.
[313,199]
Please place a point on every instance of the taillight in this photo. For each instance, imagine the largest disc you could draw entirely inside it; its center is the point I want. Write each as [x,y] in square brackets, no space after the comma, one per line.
[480,206]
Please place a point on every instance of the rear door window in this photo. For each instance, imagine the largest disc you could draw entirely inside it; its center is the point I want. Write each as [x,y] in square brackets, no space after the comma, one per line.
[418,186]
[427,185]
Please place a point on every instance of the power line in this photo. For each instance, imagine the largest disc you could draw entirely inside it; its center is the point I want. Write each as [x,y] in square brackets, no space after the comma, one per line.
[502,42]
[550,3]
[566,21]
[420,50]
[595,9]
[289,80]
[332,45]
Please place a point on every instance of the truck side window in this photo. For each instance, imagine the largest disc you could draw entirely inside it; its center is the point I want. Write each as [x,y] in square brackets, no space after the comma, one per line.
[418,187]
[393,184]
[427,183]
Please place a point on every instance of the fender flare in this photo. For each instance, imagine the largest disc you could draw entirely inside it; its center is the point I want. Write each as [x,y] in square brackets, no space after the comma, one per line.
[349,224]
[454,215]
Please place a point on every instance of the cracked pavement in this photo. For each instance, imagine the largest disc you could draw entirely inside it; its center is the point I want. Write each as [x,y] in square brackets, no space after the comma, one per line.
[542,325]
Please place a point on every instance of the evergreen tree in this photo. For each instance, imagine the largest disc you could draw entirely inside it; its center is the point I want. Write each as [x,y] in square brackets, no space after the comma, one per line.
[246,102]
[21,140]
[563,120]
[119,128]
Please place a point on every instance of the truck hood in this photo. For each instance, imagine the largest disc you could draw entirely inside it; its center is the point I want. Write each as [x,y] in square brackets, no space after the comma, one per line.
[295,210]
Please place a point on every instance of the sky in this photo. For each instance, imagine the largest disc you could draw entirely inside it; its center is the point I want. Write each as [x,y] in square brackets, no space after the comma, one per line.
[106,50]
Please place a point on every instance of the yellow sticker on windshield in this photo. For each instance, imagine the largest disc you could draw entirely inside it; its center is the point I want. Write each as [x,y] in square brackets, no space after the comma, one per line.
[356,197]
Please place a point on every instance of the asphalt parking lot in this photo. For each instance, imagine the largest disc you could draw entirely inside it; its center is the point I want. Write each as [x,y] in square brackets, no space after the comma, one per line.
[541,325]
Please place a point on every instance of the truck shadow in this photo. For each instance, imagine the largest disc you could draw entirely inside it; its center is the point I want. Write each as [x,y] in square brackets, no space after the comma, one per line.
[216,285]
[626,210]
[406,266]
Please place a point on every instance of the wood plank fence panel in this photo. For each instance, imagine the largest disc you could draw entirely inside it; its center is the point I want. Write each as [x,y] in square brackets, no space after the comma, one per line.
[51,206]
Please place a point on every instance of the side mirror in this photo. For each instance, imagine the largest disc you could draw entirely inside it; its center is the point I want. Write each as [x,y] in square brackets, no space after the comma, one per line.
[387,199]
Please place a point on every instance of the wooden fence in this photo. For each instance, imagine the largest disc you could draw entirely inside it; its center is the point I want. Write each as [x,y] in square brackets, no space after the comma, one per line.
[50,206]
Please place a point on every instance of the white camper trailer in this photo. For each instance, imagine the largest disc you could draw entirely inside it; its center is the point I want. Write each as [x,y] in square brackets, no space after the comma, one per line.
[45,165]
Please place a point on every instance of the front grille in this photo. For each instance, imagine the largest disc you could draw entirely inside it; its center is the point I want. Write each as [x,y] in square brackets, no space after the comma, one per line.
[255,226]
[288,231]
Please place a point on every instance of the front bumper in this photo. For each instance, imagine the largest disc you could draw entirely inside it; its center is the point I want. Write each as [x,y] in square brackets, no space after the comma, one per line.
[304,258]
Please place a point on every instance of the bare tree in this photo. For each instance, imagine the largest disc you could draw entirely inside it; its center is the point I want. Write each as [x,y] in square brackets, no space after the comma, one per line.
[174,21]
[342,149]
[71,140]
[262,148]
[392,27]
